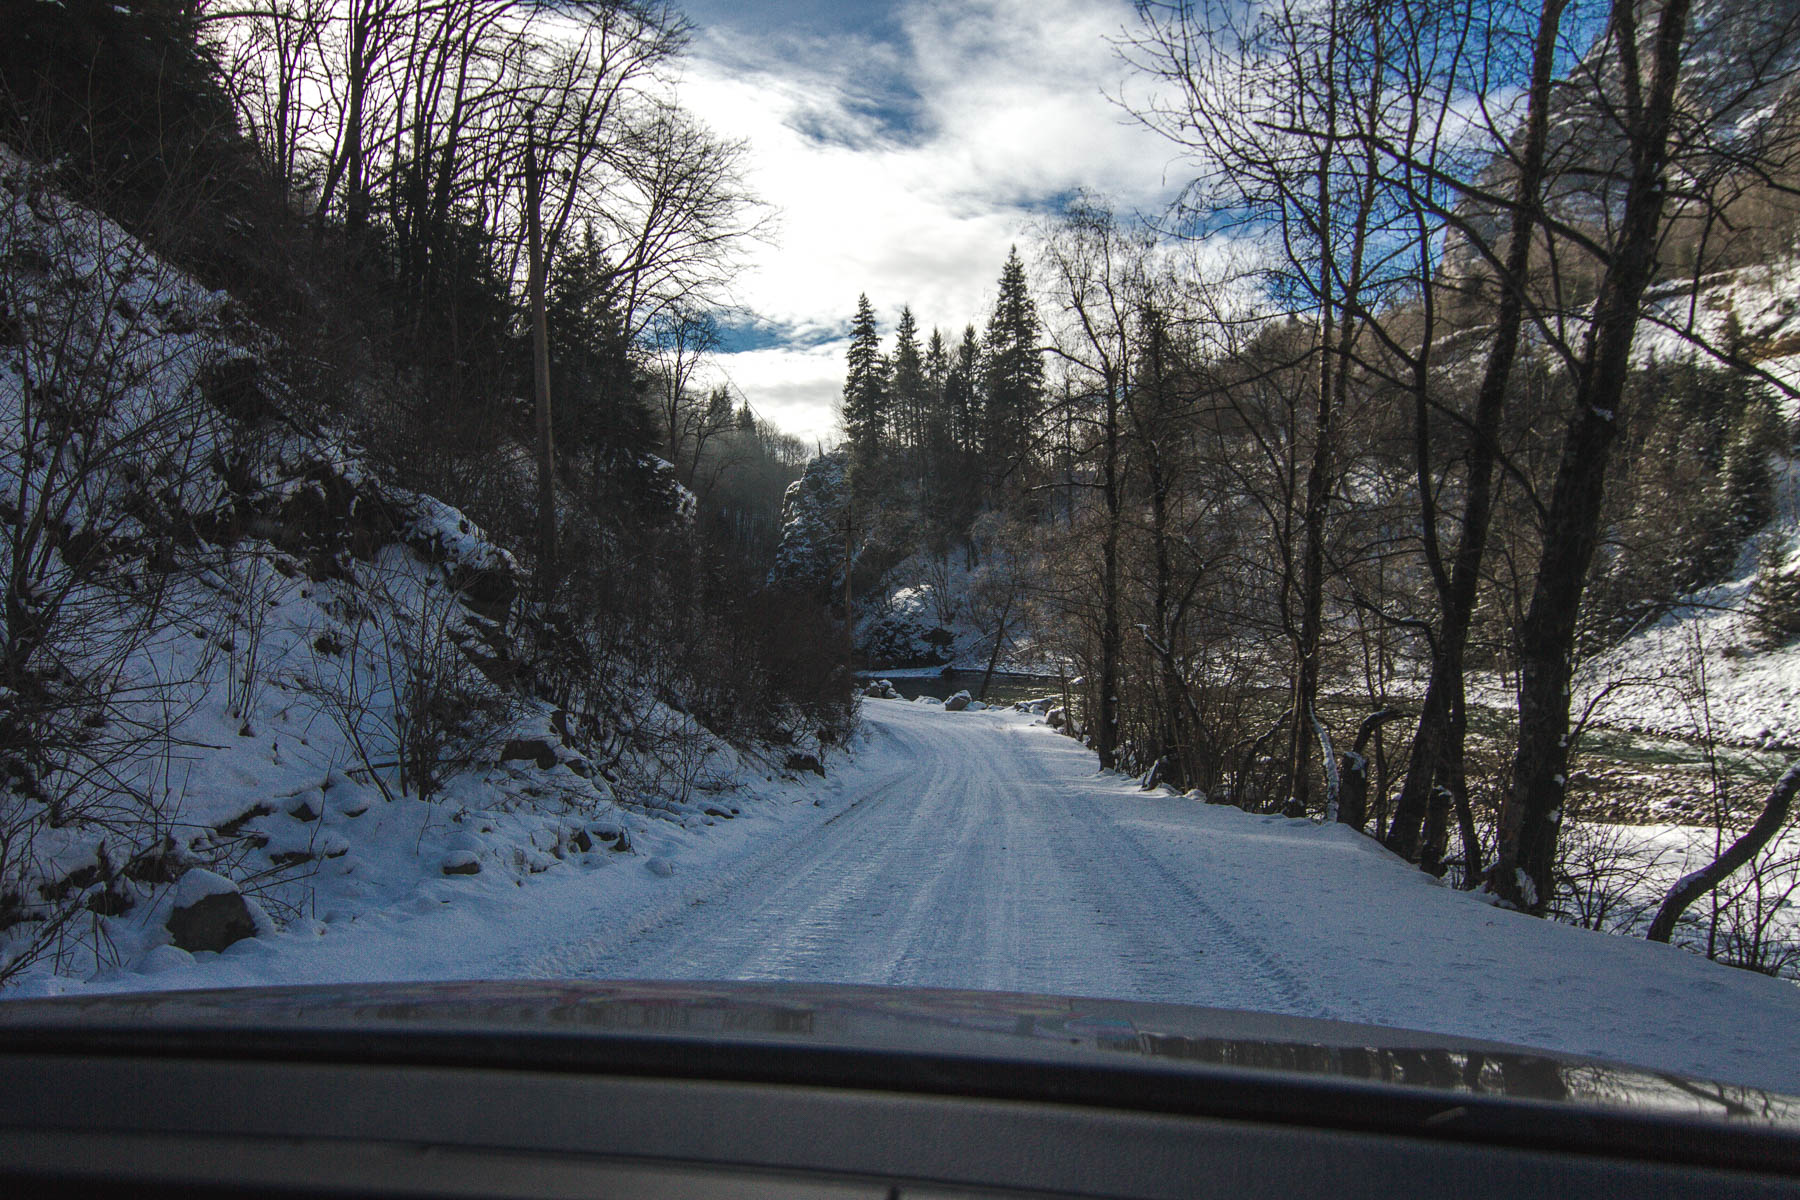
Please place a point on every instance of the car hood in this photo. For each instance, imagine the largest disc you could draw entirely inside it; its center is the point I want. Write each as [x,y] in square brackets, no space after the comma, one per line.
[1157,1056]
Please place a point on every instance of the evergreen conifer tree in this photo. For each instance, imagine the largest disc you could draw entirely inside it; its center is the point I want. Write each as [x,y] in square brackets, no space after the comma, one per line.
[962,395]
[865,402]
[937,421]
[908,406]
[1013,371]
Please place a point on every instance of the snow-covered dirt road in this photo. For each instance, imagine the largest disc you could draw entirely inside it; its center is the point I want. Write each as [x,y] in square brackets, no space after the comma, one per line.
[976,857]
[983,850]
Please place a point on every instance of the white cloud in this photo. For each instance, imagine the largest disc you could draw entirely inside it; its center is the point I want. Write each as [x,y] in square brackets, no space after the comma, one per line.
[911,198]
[798,388]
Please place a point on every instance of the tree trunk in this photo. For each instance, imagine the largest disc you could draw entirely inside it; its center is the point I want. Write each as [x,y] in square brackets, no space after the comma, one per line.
[994,658]
[540,361]
[1106,736]
[1175,749]
[1695,885]
[1531,816]
[849,562]
[1312,596]
[1434,739]
[1353,788]
[1150,404]
[1465,819]
[1336,305]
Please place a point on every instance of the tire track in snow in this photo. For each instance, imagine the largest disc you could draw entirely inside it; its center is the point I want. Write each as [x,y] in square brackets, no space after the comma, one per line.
[991,859]
[587,955]
[1231,971]
[1284,992]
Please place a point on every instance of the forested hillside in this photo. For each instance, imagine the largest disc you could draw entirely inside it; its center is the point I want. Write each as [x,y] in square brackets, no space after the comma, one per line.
[362,505]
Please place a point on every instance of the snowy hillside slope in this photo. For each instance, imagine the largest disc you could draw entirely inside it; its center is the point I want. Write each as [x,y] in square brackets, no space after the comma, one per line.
[1705,669]
[250,687]
[1753,312]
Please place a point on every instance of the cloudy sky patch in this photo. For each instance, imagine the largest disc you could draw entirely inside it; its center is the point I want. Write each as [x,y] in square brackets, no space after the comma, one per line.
[903,149]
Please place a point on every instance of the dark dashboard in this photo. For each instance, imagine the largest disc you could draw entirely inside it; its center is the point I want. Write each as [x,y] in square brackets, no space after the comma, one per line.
[742,1090]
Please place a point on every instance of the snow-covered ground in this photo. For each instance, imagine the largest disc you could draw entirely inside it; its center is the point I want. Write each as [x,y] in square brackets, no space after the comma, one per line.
[1700,670]
[983,850]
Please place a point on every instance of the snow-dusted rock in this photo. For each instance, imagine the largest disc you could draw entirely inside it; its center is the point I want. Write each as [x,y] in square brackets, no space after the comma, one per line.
[957,702]
[611,834]
[906,631]
[199,883]
[805,762]
[305,806]
[345,795]
[811,554]
[533,750]
[163,862]
[662,868]
[209,913]
[461,862]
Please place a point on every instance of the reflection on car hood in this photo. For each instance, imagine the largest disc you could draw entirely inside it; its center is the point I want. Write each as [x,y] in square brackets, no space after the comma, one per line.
[909,1037]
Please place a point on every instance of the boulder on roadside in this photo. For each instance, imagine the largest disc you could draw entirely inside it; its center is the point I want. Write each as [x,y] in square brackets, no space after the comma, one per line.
[209,913]
[881,689]
[957,702]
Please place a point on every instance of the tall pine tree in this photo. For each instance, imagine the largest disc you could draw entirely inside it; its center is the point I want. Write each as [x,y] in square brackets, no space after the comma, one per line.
[936,422]
[865,387]
[1013,372]
[907,406]
[962,394]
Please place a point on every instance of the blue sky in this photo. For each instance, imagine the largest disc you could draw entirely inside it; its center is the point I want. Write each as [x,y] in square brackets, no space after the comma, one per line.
[902,149]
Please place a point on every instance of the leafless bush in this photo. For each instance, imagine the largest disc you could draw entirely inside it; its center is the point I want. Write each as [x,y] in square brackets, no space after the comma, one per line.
[104,440]
[1608,878]
[674,759]
[249,588]
[408,701]
[1751,922]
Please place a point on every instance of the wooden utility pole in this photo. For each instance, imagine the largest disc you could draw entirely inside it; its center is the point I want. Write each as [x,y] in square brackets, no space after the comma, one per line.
[540,361]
